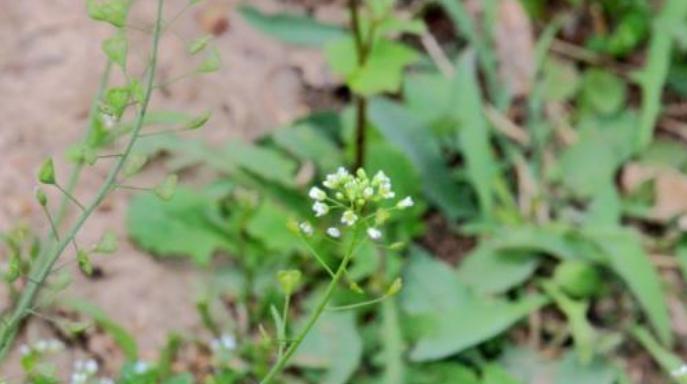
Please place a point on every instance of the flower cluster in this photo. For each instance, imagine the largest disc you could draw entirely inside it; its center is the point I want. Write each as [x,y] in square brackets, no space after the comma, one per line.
[225,343]
[357,197]
[42,347]
[84,370]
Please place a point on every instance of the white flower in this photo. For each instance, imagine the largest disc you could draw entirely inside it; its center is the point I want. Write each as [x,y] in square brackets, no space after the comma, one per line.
[349,218]
[680,371]
[374,233]
[317,194]
[320,208]
[108,120]
[380,178]
[334,232]
[333,180]
[306,228]
[368,192]
[24,349]
[90,367]
[54,346]
[141,367]
[41,346]
[407,202]
[385,191]
[225,343]
[79,378]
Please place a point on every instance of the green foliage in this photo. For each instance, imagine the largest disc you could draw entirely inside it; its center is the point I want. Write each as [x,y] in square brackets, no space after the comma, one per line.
[187,224]
[116,48]
[290,28]
[114,12]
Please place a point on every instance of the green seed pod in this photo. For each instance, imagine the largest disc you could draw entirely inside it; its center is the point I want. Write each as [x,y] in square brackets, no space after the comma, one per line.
[117,99]
[84,261]
[353,286]
[107,243]
[397,246]
[41,197]
[165,190]
[198,44]
[134,164]
[289,280]
[116,48]
[395,287]
[46,174]
[211,63]
[198,121]
[109,11]
[577,278]
[13,269]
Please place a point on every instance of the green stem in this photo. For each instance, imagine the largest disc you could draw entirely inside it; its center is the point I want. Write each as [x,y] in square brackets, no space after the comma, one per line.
[40,273]
[319,309]
[360,101]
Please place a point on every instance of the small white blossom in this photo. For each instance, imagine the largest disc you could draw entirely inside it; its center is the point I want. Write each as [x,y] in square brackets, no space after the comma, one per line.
[380,178]
[306,228]
[333,180]
[90,367]
[368,192]
[680,371]
[349,218]
[141,367]
[320,208]
[108,120]
[407,202]
[79,378]
[374,233]
[385,191]
[225,343]
[334,232]
[41,346]
[24,349]
[54,346]
[317,194]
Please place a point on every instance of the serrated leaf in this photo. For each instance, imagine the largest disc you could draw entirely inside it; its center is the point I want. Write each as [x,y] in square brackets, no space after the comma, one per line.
[407,133]
[116,48]
[182,226]
[381,72]
[268,224]
[457,318]
[290,28]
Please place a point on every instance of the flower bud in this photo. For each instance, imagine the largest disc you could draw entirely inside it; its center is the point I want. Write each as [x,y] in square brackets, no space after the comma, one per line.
[289,280]
[395,287]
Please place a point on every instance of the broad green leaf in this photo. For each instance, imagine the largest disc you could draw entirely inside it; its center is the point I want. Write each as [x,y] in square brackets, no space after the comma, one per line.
[664,152]
[495,374]
[333,344]
[527,366]
[489,270]
[456,318]
[627,258]
[443,372]
[560,80]
[407,133]
[116,47]
[306,143]
[183,226]
[603,91]
[261,161]
[269,225]
[474,135]
[381,72]
[431,97]
[572,371]
[290,28]
[120,335]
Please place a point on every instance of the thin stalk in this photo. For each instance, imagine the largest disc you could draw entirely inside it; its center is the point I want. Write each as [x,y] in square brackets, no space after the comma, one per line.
[360,101]
[70,197]
[282,331]
[319,309]
[40,273]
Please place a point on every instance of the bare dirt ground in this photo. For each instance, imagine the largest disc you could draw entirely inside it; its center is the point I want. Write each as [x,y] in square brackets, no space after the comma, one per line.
[50,63]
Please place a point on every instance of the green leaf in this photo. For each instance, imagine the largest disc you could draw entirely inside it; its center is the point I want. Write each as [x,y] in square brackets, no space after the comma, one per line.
[628,259]
[166,189]
[381,72]
[46,174]
[125,340]
[603,91]
[263,162]
[116,48]
[495,374]
[268,224]
[527,366]
[110,11]
[199,44]
[306,143]
[333,344]
[290,28]
[474,135]
[560,79]
[489,270]
[444,372]
[183,226]
[407,133]
[198,121]
[211,63]
[456,318]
